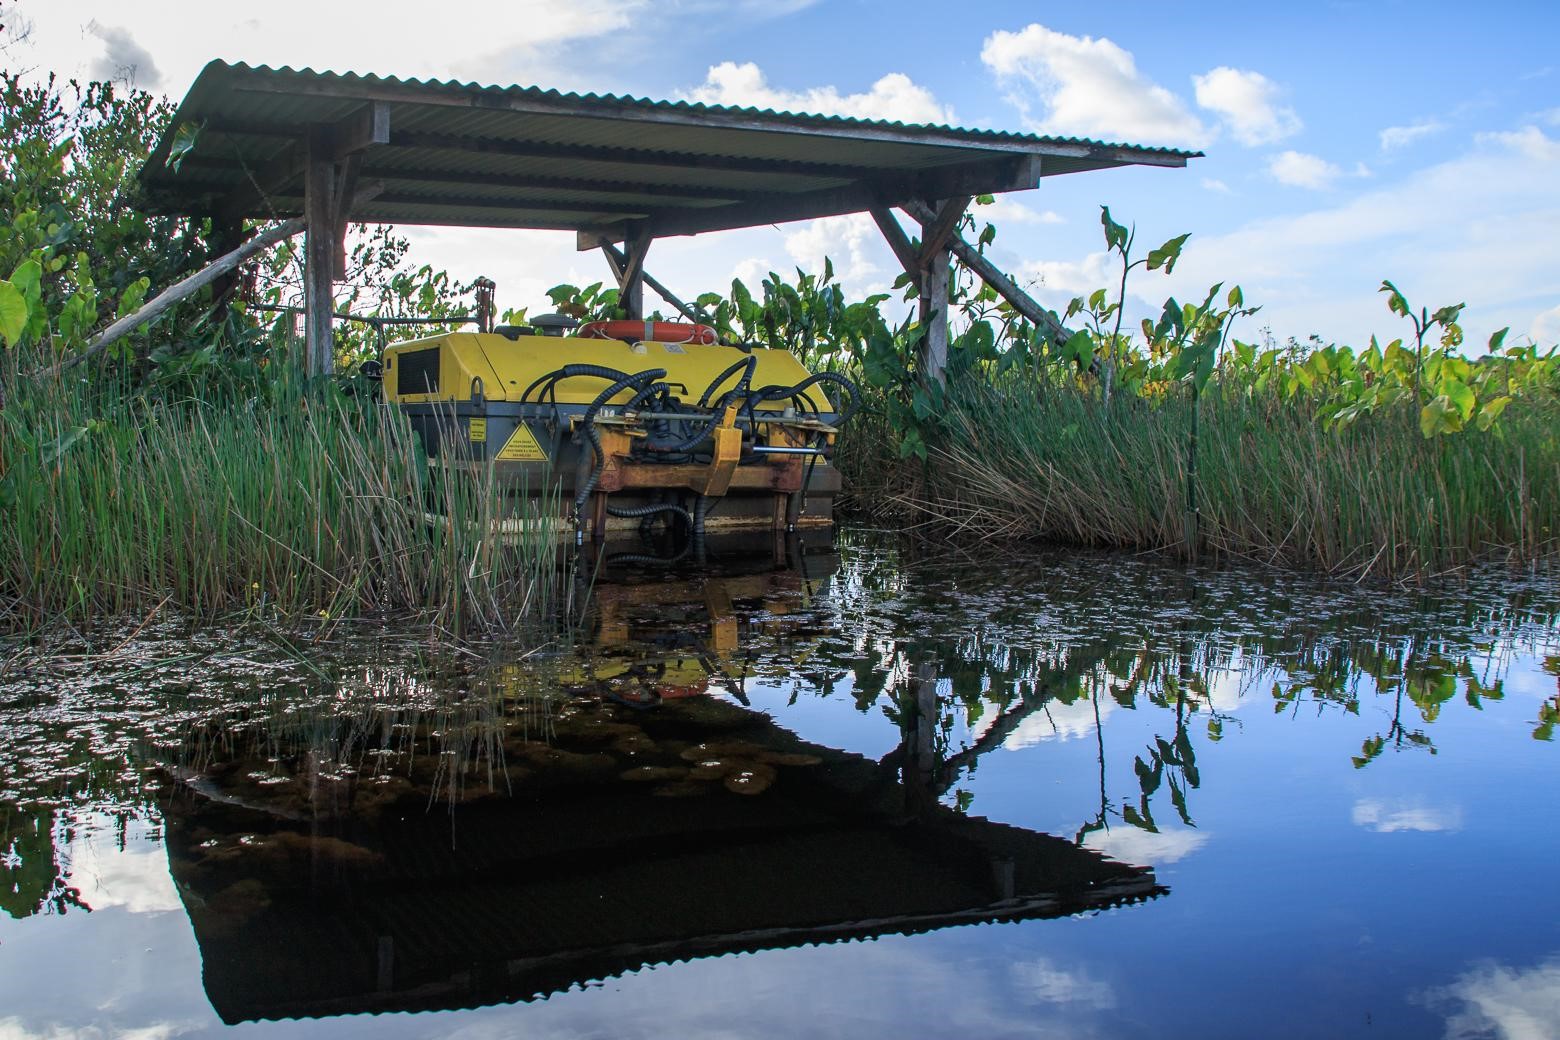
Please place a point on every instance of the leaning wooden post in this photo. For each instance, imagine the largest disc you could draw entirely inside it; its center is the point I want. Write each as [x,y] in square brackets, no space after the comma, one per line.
[319,267]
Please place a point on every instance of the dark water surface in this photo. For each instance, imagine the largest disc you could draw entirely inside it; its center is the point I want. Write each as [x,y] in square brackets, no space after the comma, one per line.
[843,791]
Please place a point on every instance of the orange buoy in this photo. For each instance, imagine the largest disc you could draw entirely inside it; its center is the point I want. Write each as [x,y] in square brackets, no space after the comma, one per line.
[650,331]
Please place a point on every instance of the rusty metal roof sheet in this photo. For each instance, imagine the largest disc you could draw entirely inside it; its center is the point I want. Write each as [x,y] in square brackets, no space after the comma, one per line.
[443,152]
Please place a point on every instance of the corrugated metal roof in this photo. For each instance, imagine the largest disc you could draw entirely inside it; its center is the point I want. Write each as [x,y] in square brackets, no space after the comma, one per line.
[467,154]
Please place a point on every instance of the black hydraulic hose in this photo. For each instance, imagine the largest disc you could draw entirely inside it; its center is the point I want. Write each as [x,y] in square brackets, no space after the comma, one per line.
[646,559]
[780,393]
[570,371]
[632,512]
[749,362]
[588,425]
[736,393]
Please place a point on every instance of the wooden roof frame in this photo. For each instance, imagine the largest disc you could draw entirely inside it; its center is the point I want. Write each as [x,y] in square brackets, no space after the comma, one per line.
[262,143]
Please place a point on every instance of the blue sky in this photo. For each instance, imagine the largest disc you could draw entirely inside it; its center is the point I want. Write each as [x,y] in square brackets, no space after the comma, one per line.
[1346,142]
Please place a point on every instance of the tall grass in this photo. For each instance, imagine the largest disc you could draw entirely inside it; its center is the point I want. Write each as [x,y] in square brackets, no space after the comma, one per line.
[309,502]
[1051,463]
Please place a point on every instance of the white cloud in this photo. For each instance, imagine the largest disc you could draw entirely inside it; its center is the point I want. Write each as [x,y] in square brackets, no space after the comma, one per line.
[1214,184]
[1006,210]
[1146,848]
[1088,87]
[1389,817]
[1317,271]
[1248,103]
[1394,137]
[1545,327]
[1501,1003]
[855,246]
[1046,983]
[1550,116]
[1302,170]
[894,96]
[519,39]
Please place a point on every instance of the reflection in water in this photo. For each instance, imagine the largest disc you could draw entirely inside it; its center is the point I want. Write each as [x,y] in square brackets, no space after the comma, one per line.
[1502,1003]
[447,828]
[623,840]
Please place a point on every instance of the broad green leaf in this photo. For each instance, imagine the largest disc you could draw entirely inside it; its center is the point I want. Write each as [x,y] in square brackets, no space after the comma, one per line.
[28,279]
[1489,414]
[1396,302]
[1461,396]
[1498,338]
[1166,255]
[1439,417]
[13,313]
[1115,234]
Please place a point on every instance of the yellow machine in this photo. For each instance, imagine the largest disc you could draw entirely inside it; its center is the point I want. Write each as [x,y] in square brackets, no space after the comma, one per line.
[657,416]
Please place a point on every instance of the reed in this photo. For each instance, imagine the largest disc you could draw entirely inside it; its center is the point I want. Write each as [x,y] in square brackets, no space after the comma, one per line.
[1273,483]
[306,502]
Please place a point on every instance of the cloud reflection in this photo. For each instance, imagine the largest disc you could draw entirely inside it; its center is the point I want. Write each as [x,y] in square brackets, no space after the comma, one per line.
[1495,1001]
[1386,817]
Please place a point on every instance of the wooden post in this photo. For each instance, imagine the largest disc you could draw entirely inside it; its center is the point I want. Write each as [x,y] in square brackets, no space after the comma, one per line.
[934,317]
[928,265]
[933,261]
[319,287]
[989,273]
[631,283]
[616,260]
[226,236]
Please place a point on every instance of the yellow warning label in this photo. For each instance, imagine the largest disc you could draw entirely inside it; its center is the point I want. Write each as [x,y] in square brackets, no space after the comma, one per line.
[522,447]
[478,431]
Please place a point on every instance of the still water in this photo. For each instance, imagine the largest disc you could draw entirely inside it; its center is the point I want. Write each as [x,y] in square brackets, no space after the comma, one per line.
[832,790]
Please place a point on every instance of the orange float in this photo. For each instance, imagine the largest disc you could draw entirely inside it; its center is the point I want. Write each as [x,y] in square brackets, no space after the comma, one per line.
[650,332]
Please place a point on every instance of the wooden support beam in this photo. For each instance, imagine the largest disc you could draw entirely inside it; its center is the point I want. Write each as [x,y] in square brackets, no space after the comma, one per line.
[226,236]
[936,232]
[899,242]
[368,126]
[341,196]
[179,290]
[988,272]
[616,260]
[255,194]
[631,283]
[626,156]
[778,207]
[319,210]
[188,286]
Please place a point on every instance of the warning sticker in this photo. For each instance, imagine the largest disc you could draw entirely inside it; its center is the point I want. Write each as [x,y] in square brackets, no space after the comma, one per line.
[674,348]
[522,447]
[477,431]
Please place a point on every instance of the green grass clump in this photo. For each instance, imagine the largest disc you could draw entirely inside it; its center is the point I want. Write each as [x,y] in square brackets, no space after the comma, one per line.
[304,503]
[1274,484]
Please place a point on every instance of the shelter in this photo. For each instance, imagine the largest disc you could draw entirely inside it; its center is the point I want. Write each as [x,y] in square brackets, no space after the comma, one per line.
[261,143]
